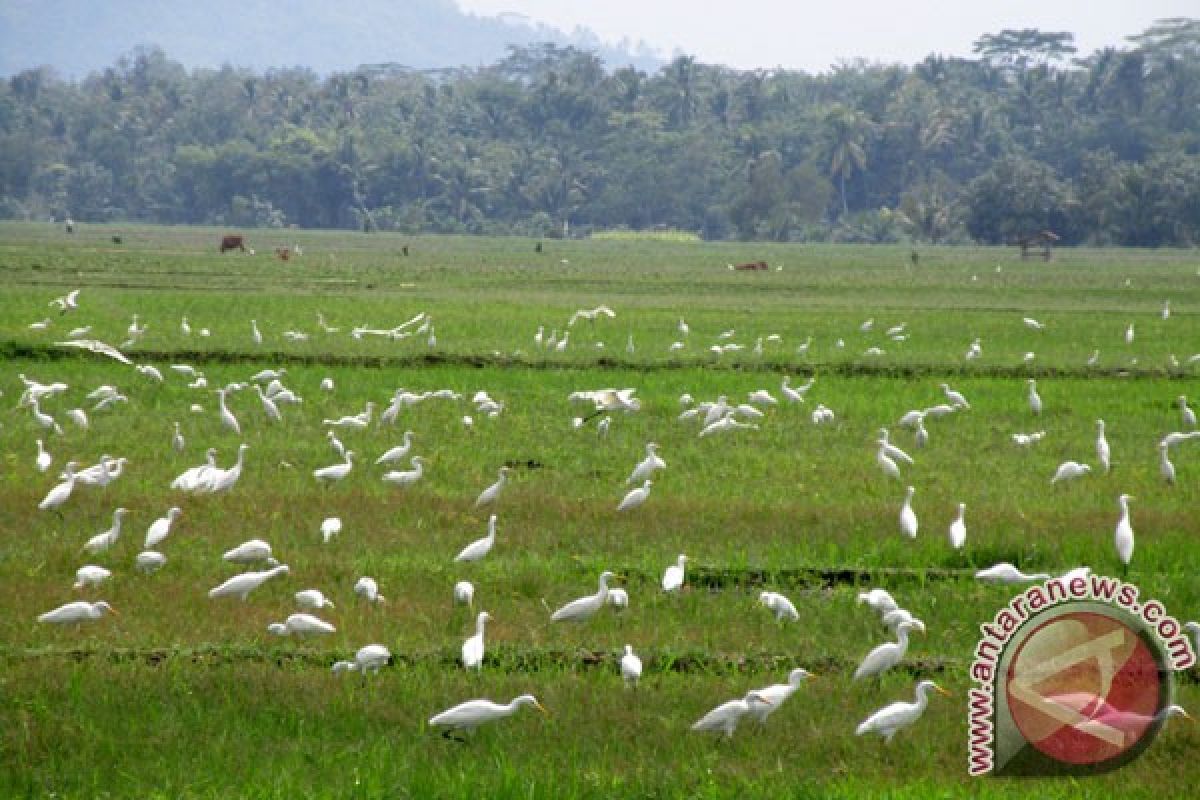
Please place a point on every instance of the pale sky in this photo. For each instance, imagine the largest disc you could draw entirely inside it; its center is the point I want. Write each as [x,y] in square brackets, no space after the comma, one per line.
[813,36]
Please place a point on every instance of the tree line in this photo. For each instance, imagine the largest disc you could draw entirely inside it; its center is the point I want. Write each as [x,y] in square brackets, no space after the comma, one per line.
[1026,136]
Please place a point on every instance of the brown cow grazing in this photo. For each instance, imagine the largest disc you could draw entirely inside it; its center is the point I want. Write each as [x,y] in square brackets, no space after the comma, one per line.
[233,242]
[750,265]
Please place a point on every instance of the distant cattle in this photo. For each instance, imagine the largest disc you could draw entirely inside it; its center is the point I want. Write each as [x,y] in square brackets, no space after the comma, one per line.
[234,242]
[283,253]
[1042,239]
[750,265]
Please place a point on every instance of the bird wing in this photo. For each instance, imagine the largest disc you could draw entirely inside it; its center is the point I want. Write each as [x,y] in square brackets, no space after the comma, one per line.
[96,347]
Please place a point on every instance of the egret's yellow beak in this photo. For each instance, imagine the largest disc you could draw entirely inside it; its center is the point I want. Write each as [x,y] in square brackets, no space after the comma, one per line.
[940,690]
[114,611]
[1186,715]
[540,708]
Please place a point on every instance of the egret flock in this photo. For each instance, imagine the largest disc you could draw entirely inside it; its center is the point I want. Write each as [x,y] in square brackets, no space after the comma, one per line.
[722,418]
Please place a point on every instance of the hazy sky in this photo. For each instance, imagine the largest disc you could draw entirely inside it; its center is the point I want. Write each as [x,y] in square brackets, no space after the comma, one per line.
[815,35]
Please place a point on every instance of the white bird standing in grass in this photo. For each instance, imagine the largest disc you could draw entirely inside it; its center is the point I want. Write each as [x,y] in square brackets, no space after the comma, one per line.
[150,561]
[885,462]
[161,527]
[1186,415]
[490,494]
[1035,399]
[406,477]
[198,479]
[102,541]
[227,417]
[242,585]
[472,649]
[470,715]
[901,616]
[956,398]
[224,480]
[584,607]
[479,548]
[1103,452]
[908,517]
[646,467]
[1165,467]
[464,593]
[618,598]
[91,575]
[330,527]
[398,452]
[44,459]
[368,589]
[254,551]
[777,694]
[672,579]
[958,528]
[75,613]
[177,441]
[301,625]
[878,600]
[779,605]
[370,658]
[886,655]
[890,719]
[1070,470]
[1123,536]
[631,668]
[1129,334]
[1005,573]
[893,452]
[725,717]
[268,405]
[635,497]
[312,598]
[335,472]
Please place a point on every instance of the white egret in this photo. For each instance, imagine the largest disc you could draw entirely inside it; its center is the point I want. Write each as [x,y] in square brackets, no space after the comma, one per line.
[890,719]
[198,478]
[761,397]
[893,452]
[889,467]
[224,480]
[91,575]
[490,494]
[1166,310]
[1027,439]
[464,593]
[268,405]
[683,328]
[618,598]
[779,605]
[150,561]
[777,694]
[1165,468]
[326,384]
[1103,452]
[724,424]
[957,533]
[921,436]
[886,655]
[479,548]
[1069,470]
[725,717]
[956,398]
[584,607]
[336,444]
[472,649]
[1035,399]
[254,551]
[184,327]
[242,585]
[1129,334]
[301,625]
[1005,573]
[1186,414]
[44,420]
[646,467]
[406,477]
[75,613]
[150,371]
[470,715]
[1032,323]
[313,598]
[102,541]
[1123,536]
[367,588]
[941,410]
[901,616]
[177,441]
[161,527]
[44,459]
[631,668]
[355,421]
[878,600]
[370,658]
[635,497]
[672,580]
[227,417]
[398,452]
[330,527]
[335,472]
[908,517]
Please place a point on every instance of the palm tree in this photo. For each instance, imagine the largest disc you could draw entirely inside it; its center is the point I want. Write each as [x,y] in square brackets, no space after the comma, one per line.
[847,131]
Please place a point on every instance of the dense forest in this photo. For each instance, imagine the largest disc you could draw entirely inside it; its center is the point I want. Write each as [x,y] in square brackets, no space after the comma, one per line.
[1027,135]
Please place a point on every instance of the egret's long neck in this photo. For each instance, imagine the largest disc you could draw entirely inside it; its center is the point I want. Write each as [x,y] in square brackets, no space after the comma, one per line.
[479,623]
[902,638]
[922,698]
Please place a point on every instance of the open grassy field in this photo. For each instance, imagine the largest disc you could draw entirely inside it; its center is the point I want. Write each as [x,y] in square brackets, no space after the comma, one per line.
[185,696]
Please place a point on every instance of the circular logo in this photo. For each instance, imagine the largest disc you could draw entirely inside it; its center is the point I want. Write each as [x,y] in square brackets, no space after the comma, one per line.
[1086,688]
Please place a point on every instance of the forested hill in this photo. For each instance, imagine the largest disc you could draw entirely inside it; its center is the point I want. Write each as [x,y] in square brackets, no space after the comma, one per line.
[77,37]
[1101,147]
